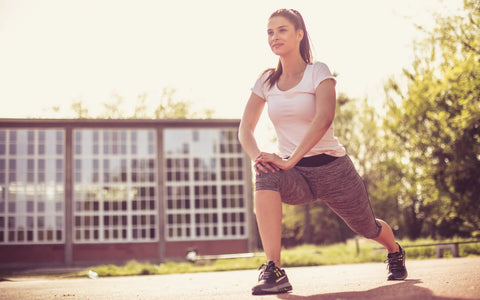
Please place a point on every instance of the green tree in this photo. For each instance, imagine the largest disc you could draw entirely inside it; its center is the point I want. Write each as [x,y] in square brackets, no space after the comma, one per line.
[169,107]
[437,126]
[113,110]
[78,108]
[141,108]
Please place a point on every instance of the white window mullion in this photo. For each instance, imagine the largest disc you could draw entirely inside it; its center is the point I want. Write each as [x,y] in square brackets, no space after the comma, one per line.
[129,159]
[101,185]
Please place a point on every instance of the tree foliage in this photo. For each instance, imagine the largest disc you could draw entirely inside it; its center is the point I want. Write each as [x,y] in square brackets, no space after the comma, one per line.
[169,107]
[437,125]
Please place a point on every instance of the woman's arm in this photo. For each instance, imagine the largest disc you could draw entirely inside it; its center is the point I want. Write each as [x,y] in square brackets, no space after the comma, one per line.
[251,115]
[325,101]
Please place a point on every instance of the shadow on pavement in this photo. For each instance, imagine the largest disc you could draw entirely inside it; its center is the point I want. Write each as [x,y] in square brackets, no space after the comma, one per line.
[404,290]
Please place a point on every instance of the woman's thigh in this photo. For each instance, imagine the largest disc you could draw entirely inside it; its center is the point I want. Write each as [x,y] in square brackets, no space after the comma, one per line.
[291,185]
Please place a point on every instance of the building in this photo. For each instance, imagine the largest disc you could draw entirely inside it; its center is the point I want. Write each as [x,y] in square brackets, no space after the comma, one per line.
[81,191]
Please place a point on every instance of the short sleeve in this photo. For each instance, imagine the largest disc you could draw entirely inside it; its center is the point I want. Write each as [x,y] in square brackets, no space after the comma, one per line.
[259,87]
[320,73]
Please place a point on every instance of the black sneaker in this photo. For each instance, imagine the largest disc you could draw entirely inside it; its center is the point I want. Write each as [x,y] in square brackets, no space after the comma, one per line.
[396,265]
[272,280]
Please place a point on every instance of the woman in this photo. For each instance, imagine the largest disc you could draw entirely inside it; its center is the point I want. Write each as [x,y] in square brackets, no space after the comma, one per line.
[311,164]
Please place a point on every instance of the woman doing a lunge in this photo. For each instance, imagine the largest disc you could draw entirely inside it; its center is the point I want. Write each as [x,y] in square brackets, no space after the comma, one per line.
[311,164]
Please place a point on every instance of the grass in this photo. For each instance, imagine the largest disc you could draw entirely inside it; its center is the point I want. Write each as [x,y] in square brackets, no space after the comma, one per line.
[305,255]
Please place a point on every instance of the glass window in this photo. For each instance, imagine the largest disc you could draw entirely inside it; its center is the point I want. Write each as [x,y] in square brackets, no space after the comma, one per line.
[204,195]
[28,186]
[115,195]
[177,141]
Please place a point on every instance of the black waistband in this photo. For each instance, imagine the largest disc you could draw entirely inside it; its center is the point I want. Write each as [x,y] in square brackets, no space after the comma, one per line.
[316,160]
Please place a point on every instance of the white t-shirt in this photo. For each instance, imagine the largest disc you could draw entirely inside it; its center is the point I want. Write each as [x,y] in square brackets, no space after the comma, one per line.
[292,111]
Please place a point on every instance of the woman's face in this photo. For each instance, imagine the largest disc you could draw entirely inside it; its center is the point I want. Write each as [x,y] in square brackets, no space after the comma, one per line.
[282,36]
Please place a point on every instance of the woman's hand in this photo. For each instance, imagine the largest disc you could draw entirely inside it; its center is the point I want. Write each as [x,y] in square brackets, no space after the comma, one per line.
[270,162]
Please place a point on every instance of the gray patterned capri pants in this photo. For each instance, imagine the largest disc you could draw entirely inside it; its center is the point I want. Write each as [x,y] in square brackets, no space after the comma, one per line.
[337,183]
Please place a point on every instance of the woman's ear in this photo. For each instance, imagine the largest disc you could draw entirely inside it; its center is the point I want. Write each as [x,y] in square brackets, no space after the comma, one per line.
[300,35]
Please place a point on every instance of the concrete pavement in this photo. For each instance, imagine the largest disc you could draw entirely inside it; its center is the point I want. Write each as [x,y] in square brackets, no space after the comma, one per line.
[455,278]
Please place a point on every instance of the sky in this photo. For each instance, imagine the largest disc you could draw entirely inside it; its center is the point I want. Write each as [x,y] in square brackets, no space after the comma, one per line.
[55,52]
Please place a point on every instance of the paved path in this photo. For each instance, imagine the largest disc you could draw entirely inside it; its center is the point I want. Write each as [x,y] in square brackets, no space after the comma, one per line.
[455,278]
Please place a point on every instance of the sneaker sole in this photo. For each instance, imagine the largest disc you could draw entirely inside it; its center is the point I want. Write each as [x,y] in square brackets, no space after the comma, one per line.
[399,278]
[275,290]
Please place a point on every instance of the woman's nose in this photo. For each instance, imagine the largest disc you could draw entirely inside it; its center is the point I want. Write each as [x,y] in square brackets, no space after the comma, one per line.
[274,37]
